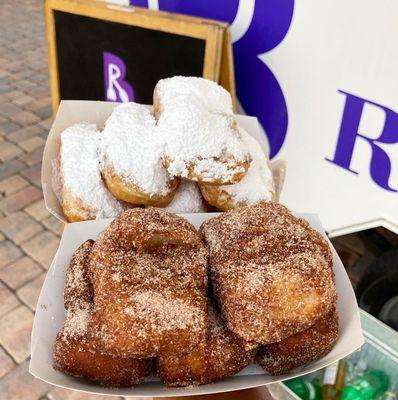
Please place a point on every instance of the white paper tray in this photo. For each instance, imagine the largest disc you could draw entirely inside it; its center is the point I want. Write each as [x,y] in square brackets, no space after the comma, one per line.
[50,316]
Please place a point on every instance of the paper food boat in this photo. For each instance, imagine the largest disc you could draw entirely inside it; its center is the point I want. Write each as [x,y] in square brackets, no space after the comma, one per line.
[50,317]
[97,112]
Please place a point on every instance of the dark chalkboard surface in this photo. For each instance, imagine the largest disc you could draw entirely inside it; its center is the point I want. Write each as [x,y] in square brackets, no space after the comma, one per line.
[101,51]
[149,55]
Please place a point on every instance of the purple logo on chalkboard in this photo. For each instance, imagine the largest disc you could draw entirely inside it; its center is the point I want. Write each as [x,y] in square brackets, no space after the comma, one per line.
[116,87]
[257,28]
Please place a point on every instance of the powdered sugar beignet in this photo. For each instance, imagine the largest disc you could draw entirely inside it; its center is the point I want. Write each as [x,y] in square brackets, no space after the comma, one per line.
[84,195]
[256,185]
[203,143]
[187,199]
[132,157]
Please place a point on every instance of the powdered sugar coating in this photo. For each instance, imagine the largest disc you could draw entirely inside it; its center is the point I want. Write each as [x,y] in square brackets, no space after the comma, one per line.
[271,272]
[187,199]
[258,183]
[80,169]
[133,146]
[197,118]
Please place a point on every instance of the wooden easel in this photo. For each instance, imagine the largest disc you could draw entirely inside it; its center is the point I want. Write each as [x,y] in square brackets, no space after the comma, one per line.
[218,59]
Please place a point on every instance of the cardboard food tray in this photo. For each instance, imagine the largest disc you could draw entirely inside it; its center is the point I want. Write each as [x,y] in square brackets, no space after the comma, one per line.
[50,317]
[74,111]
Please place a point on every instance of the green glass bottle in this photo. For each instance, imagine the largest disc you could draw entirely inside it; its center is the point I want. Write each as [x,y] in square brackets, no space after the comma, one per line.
[304,389]
[373,384]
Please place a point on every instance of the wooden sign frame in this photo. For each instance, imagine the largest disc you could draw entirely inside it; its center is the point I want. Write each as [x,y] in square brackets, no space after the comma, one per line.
[218,60]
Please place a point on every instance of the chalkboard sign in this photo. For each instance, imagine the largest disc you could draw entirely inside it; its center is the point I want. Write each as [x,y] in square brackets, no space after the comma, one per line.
[101,51]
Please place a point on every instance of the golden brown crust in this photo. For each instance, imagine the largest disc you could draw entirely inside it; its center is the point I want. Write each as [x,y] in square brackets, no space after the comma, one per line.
[217,197]
[77,358]
[130,193]
[271,272]
[221,355]
[75,209]
[301,348]
[149,272]
[76,352]
[221,199]
[78,291]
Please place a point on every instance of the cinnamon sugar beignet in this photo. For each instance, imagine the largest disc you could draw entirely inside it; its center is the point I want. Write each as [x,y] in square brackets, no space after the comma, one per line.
[222,354]
[76,351]
[149,273]
[272,273]
[302,348]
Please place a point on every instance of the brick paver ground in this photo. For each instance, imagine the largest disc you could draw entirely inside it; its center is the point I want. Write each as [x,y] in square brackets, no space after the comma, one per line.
[29,235]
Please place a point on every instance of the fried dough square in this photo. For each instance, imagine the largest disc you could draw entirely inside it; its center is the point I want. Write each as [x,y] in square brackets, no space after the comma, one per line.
[149,274]
[271,272]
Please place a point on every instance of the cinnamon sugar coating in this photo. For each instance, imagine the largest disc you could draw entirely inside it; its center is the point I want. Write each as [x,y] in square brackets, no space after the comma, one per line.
[76,352]
[272,273]
[149,274]
[222,354]
[301,348]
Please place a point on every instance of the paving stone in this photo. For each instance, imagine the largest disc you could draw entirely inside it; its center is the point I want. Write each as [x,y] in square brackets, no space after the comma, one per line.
[37,210]
[32,143]
[24,118]
[4,88]
[19,227]
[33,174]
[6,363]
[30,292]
[42,248]
[65,394]
[33,157]
[9,127]
[15,330]
[9,109]
[46,124]
[10,168]
[39,104]
[20,272]
[53,224]
[19,384]
[14,94]
[12,184]
[8,151]
[39,92]
[44,112]
[23,100]
[25,133]
[20,199]
[8,253]
[8,300]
